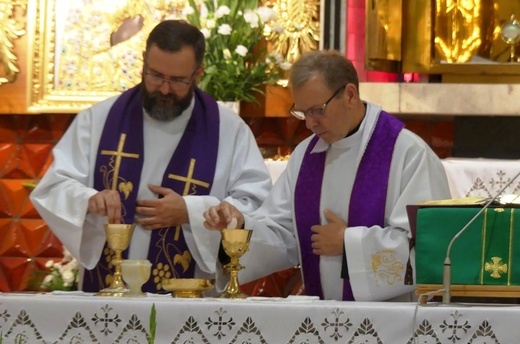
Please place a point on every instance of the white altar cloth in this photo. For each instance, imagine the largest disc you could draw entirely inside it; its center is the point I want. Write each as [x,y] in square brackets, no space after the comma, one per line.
[466,176]
[481,177]
[84,318]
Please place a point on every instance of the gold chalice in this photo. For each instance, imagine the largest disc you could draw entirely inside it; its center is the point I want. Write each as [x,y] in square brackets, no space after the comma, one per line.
[235,243]
[118,239]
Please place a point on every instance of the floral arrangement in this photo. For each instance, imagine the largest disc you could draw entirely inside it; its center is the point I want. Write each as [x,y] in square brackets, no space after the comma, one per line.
[63,275]
[237,60]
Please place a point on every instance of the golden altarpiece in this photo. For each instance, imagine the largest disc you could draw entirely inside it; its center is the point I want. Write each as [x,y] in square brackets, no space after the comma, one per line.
[463,41]
[57,56]
[60,56]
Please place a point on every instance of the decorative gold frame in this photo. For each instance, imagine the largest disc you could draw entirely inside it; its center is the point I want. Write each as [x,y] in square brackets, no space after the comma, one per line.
[41,94]
[45,90]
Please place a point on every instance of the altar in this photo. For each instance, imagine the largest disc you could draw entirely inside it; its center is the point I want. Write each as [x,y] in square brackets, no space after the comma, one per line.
[467,177]
[83,318]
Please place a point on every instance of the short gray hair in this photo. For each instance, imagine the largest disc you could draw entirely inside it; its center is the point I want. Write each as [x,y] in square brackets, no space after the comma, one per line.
[335,68]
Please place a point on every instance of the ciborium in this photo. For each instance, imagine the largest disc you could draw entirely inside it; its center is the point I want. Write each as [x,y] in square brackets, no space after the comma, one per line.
[235,243]
[135,274]
[118,239]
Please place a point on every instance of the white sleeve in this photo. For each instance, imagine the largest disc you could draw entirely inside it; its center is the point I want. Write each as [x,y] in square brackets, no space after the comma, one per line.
[241,178]
[377,257]
[61,196]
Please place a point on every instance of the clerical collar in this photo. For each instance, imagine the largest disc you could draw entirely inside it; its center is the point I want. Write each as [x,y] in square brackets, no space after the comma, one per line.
[355,130]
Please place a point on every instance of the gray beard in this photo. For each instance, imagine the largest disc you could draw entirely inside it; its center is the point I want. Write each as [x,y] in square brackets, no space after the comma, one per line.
[165,113]
[165,108]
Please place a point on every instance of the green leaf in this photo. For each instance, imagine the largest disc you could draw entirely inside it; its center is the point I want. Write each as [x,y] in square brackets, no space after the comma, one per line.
[153,325]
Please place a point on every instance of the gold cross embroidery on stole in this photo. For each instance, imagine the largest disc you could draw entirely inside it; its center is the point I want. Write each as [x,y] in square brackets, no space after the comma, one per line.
[188,180]
[119,155]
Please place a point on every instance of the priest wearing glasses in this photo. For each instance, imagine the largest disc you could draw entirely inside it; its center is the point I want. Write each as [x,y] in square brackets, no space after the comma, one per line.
[158,155]
[339,208]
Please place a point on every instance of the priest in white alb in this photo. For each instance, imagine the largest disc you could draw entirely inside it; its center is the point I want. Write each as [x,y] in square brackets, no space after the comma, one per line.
[158,155]
[339,208]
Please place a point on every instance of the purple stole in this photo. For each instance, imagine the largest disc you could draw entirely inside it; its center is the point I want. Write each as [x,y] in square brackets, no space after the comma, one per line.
[190,171]
[371,179]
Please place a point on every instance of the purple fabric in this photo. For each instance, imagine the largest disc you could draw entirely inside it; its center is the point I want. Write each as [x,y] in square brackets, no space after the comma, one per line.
[371,179]
[199,142]
[307,214]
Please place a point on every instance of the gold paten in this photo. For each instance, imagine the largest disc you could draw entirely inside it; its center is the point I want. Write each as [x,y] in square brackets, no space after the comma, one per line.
[235,243]
[10,29]
[118,239]
[187,287]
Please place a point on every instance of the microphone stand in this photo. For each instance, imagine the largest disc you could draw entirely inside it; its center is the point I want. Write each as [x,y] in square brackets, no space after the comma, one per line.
[446,277]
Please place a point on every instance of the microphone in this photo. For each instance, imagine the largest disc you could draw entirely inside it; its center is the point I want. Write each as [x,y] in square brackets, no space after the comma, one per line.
[446,277]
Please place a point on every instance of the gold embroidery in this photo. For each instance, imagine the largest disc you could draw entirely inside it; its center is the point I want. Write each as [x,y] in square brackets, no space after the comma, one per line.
[183,260]
[160,272]
[387,269]
[496,268]
[483,248]
[189,181]
[126,188]
[119,155]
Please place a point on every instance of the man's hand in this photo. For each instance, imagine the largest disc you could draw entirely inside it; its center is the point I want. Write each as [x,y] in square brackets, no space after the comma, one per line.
[219,216]
[327,240]
[106,203]
[168,211]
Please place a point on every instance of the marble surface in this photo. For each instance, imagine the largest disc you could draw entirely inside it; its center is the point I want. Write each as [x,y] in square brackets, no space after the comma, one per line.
[444,99]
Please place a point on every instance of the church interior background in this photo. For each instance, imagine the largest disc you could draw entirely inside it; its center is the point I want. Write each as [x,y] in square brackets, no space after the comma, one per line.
[449,69]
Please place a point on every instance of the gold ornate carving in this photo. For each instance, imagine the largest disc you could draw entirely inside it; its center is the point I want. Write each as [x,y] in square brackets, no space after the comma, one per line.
[10,29]
[496,267]
[69,74]
[383,34]
[387,269]
[301,23]
[457,27]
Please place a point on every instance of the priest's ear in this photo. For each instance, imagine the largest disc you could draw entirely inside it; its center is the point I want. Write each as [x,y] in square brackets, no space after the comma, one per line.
[351,92]
[198,73]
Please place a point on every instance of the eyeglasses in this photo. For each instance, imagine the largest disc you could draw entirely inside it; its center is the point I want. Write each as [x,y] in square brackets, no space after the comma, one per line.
[175,83]
[315,112]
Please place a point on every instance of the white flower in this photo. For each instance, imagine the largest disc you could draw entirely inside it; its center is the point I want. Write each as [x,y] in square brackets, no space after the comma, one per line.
[211,23]
[286,65]
[278,28]
[277,57]
[251,18]
[67,256]
[227,53]
[241,50]
[203,11]
[224,29]
[68,278]
[222,11]
[206,33]
[49,263]
[47,280]
[187,10]
[266,14]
